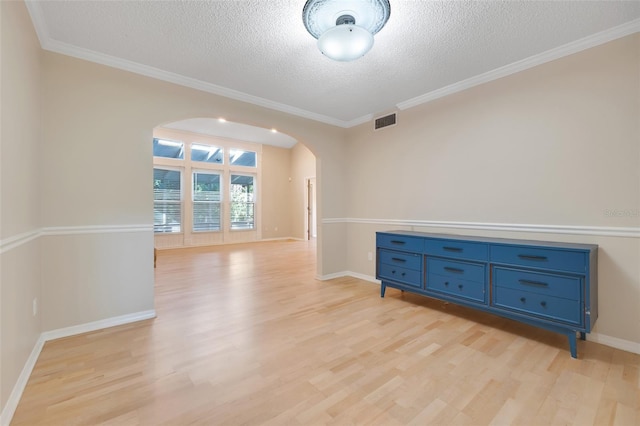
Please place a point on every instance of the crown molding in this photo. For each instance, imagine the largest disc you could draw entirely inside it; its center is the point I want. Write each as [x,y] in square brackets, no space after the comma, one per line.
[47,43]
[170,77]
[358,121]
[530,62]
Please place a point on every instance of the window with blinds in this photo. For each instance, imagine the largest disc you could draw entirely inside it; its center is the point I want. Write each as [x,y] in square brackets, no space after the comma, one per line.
[201,187]
[207,199]
[167,200]
[242,202]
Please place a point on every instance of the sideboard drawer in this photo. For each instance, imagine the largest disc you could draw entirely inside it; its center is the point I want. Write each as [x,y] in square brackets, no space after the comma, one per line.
[567,287]
[456,269]
[548,307]
[457,249]
[535,257]
[404,260]
[472,290]
[410,277]
[400,242]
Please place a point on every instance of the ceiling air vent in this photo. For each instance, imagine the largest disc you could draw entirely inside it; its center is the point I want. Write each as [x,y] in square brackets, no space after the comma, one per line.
[388,120]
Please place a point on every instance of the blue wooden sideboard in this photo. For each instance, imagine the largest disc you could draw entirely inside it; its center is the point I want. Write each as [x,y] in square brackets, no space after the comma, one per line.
[546,284]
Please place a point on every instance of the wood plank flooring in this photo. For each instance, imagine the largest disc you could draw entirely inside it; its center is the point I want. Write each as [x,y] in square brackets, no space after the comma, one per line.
[245,335]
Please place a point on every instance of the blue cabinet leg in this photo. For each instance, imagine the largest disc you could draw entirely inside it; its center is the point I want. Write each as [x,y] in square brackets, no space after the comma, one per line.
[573,344]
[583,335]
[382,289]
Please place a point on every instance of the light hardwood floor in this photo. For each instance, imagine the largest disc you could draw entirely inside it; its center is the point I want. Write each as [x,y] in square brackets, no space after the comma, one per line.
[245,335]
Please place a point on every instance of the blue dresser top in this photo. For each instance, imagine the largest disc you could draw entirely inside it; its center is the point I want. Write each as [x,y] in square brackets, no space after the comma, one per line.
[573,246]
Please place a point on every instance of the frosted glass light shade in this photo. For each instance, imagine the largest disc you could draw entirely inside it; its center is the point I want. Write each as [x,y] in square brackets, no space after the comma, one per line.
[345,28]
[345,42]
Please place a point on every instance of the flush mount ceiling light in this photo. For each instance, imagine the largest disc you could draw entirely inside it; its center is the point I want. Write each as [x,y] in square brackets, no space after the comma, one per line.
[345,28]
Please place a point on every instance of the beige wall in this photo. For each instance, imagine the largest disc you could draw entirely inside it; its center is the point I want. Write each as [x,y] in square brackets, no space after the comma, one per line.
[98,125]
[20,204]
[303,167]
[91,107]
[277,190]
[556,145]
[87,127]
[106,277]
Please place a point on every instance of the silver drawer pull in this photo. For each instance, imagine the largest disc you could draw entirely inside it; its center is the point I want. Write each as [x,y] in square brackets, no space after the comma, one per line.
[531,257]
[457,249]
[529,282]
[456,270]
[397,259]
[398,242]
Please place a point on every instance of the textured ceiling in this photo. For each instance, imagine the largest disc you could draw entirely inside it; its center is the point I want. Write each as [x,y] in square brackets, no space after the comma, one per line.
[259,50]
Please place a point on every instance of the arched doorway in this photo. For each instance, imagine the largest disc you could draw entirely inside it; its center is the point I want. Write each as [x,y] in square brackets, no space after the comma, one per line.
[219,182]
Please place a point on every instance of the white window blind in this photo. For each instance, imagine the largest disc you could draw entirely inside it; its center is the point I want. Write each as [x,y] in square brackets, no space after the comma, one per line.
[167,200]
[207,198]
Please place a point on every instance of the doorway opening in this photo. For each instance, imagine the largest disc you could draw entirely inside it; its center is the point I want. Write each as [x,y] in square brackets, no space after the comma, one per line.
[311,230]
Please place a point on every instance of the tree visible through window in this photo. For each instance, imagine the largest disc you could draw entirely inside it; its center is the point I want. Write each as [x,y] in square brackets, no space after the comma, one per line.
[206,201]
[242,202]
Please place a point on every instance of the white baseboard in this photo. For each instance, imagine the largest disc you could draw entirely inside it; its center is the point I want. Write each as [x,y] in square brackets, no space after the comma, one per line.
[332,276]
[603,339]
[280,239]
[348,274]
[97,325]
[12,403]
[363,277]
[209,244]
[614,342]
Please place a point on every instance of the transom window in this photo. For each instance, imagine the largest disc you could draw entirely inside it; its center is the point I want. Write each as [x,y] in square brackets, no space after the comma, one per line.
[238,157]
[207,153]
[168,149]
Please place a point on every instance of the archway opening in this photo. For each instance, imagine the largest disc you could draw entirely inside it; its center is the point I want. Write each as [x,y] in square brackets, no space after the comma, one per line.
[221,182]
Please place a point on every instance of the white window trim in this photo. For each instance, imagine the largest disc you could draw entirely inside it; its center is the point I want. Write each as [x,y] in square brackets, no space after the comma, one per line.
[188,167]
[180,170]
